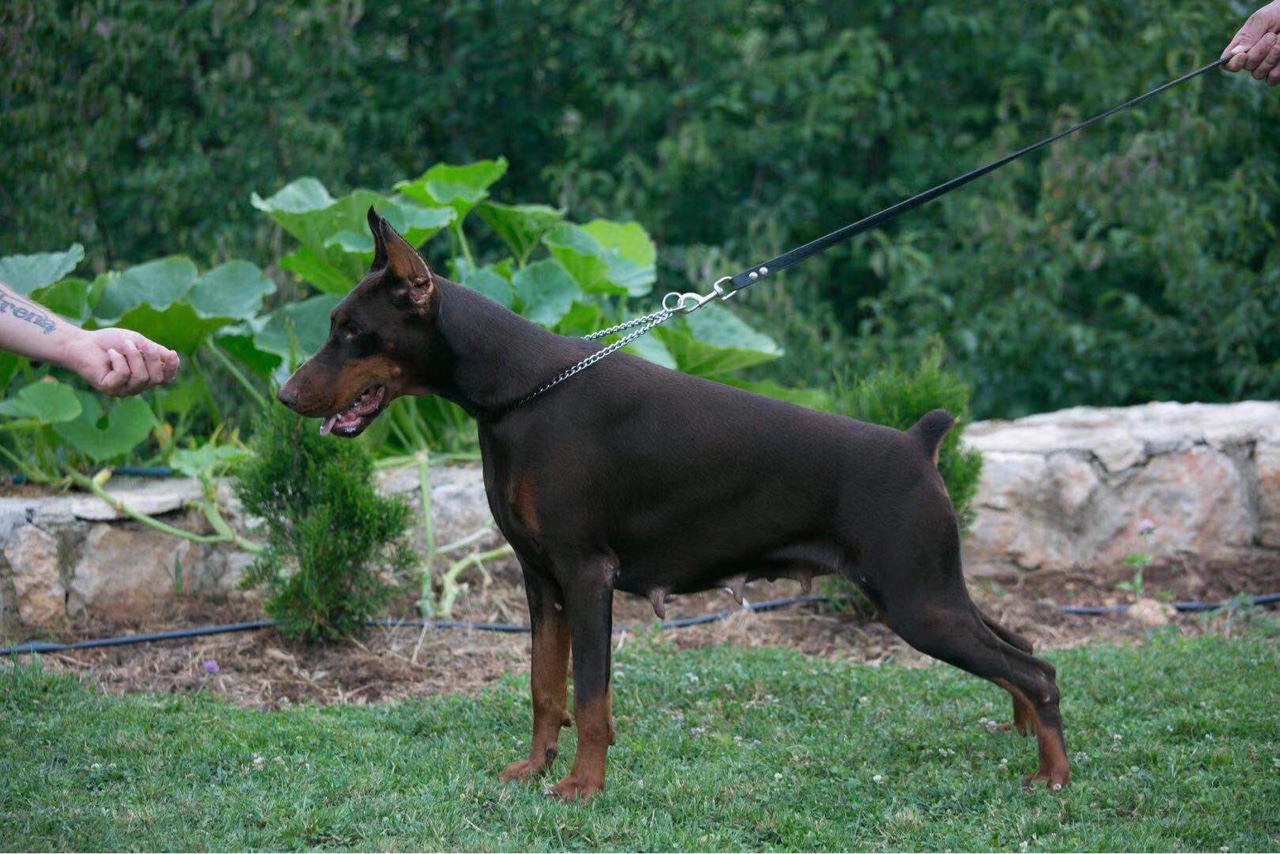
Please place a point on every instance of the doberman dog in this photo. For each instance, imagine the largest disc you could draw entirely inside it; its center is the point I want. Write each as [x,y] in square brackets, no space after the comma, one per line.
[638,478]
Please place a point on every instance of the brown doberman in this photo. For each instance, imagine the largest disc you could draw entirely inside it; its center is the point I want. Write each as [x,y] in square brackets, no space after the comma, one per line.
[638,478]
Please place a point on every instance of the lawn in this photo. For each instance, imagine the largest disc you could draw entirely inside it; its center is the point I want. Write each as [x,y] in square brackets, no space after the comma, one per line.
[1175,745]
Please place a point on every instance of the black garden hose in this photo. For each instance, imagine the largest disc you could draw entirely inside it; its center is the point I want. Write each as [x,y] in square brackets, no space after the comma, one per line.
[515,628]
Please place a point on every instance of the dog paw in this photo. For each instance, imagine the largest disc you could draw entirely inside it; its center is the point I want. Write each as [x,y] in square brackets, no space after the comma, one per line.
[573,788]
[1055,780]
[520,772]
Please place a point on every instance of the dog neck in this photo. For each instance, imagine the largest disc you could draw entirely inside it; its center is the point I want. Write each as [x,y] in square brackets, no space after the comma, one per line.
[485,357]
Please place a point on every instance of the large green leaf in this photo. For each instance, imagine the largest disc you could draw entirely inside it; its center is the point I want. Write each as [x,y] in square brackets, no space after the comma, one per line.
[305,210]
[235,291]
[629,239]
[9,366]
[157,284]
[47,401]
[546,292]
[414,222]
[313,268]
[714,341]
[521,226]
[238,342]
[177,326]
[579,253]
[582,319]
[164,300]
[337,248]
[306,322]
[25,273]
[208,460]
[459,187]
[652,349]
[70,298]
[126,426]
[489,283]
[600,267]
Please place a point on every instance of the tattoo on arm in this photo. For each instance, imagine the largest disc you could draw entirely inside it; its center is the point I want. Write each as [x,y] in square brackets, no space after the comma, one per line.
[23,310]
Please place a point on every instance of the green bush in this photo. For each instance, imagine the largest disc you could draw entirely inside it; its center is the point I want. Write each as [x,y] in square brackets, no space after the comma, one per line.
[571,278]
[331,539]
[898,398]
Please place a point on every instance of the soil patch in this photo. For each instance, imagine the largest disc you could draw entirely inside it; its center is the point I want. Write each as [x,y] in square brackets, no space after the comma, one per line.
[259,669]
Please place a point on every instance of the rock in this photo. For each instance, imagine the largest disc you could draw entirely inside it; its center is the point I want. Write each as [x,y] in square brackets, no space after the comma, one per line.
[1266,460]
[459,507]
[1060,490]
[1198,500]
[126,571]
[37,575]
[1065,490]
[1150,613]
[153,498]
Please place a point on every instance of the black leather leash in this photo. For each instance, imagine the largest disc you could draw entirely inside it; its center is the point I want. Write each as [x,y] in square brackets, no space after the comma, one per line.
[677,303]
[789,259]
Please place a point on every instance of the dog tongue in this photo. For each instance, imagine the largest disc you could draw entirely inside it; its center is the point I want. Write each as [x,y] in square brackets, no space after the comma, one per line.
[327,425]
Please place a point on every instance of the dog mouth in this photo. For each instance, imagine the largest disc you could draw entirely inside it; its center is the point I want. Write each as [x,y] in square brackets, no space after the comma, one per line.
[357,415]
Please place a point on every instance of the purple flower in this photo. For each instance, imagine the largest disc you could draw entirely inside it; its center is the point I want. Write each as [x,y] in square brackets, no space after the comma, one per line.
[211,667]
[1146,526]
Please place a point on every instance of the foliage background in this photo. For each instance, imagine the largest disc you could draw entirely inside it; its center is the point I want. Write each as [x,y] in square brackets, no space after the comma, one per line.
[1136,262]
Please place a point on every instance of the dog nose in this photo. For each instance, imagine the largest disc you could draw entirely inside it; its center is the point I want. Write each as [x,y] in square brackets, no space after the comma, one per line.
[288,396]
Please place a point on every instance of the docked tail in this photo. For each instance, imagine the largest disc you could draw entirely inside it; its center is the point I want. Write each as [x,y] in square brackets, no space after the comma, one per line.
[930,430]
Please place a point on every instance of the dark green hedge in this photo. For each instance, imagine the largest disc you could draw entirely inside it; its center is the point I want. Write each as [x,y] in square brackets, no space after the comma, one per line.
[1136,262]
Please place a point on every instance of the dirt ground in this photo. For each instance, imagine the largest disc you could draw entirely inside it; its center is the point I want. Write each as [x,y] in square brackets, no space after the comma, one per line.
[258,669]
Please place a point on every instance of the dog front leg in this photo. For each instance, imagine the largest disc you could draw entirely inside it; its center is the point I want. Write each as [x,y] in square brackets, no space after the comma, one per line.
[590,607]
[548,676]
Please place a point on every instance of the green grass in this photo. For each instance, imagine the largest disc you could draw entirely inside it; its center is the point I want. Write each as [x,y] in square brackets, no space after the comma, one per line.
[1174,746]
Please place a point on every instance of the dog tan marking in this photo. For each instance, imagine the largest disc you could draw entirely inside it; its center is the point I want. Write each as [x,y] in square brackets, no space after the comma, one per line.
[595,729]
[549,677]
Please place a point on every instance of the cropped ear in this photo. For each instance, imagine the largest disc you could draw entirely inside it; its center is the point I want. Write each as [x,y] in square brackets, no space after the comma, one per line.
[379,246]
[415,280]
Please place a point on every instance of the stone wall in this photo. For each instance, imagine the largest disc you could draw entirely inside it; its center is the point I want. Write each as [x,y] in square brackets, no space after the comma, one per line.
[1059,490]
[67,556]
[1068,489]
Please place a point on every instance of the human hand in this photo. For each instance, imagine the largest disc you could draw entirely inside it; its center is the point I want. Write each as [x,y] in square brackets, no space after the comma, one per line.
[1256,48]
[119,362]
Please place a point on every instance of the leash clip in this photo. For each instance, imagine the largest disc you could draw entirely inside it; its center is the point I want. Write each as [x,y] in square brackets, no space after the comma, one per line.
[687,303]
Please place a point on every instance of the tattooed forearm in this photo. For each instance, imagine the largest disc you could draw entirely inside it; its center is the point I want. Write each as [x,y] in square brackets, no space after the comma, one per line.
[23,310]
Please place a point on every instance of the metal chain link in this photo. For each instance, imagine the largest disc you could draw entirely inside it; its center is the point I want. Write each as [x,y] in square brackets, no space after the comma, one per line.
[649,321]
[635,321]
[672,304]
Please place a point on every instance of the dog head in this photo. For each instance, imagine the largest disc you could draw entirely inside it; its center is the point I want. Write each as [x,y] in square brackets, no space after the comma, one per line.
[378,340]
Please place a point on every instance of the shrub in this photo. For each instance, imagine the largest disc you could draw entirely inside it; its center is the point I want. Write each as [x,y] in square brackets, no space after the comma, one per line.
[898,398]
[330,536]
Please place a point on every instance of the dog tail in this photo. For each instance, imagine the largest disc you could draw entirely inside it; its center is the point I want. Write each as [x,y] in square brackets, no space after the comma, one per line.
[930,430]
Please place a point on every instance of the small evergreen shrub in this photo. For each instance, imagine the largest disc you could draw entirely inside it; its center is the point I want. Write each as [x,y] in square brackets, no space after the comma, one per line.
[898,398]
[330,536]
